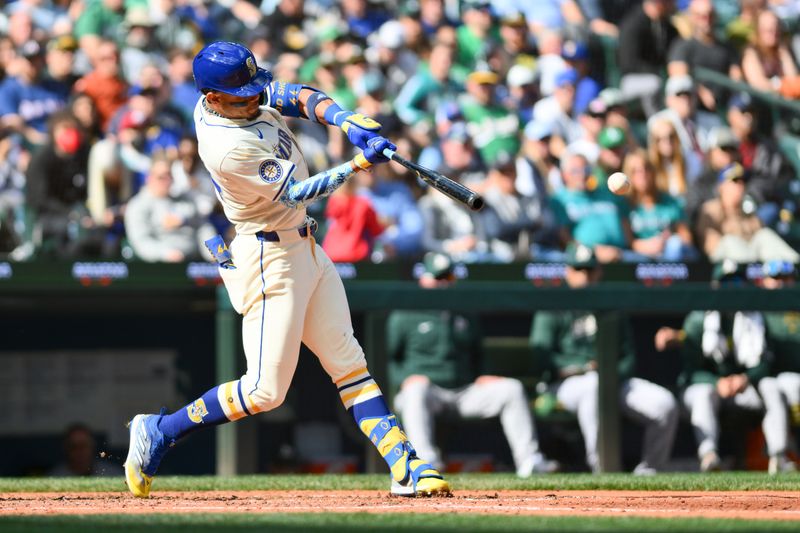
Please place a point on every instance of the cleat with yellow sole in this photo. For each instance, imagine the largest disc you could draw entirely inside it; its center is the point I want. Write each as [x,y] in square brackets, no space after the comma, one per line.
[145,451]
[421,479]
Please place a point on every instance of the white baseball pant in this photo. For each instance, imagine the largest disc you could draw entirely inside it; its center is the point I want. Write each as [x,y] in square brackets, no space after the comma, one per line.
[789,385]
[643,401]
[288,292]
[703,403]
[418,403]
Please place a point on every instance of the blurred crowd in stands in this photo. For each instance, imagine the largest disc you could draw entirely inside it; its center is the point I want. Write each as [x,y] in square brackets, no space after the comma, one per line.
[532,103]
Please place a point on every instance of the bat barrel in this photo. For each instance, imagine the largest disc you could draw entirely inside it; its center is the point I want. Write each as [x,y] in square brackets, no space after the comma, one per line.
[440,182]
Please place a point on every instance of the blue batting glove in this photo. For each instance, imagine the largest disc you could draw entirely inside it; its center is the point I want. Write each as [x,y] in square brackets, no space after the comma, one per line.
[360,129]
[374,152]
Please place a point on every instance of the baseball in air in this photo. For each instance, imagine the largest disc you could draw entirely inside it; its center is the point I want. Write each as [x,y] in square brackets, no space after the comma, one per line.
[618,183]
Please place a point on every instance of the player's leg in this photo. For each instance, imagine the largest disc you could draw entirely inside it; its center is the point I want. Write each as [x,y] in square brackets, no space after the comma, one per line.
[494,396]
[789,384]
[578,394]
[273,306]
[775,424]
[702,402]
[418,403]
[656,408]
[329,334]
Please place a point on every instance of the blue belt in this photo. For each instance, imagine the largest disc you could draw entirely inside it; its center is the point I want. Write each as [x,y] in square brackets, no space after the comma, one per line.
[272,236]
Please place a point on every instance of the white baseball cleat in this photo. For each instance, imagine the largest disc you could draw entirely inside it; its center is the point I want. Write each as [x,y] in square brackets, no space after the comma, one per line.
[779,464]
[145,451]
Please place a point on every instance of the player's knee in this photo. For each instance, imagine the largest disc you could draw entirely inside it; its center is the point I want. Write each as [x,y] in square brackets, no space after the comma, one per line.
[665,406]
[768,386]
[341,345]
[771,393]
[700,396]
[589,382]
[705,391]
[513,388]
[265,399]
[417,389]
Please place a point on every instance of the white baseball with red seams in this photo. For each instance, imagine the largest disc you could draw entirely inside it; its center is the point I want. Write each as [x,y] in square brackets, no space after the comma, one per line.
[618,183]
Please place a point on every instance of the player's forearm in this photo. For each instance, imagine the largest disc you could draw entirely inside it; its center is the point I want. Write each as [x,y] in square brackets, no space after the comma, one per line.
[319,109]
[298,100]
[316,106]
[317,186]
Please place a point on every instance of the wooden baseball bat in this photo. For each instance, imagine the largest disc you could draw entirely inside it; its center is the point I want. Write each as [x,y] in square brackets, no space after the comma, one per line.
[440,182]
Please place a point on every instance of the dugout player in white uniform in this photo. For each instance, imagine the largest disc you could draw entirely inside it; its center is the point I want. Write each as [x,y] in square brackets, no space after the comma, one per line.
[283,284]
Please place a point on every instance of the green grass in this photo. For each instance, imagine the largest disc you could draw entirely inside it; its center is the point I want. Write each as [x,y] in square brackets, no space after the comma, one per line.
[678,481]
[355,523]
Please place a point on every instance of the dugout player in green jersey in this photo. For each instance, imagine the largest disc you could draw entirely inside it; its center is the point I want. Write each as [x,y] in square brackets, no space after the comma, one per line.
[564,348]
[436,358]
[727,361]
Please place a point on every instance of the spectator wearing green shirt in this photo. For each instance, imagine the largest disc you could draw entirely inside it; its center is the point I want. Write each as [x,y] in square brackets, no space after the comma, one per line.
[477,36]
[727,362]
[430,86]
[590,215]
[564,350]
[613,147]
[102,19]
[493,128]
[435,359]
[657,219]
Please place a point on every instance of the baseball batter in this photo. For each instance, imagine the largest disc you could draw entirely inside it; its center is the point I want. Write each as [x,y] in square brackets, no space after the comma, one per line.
[283,284]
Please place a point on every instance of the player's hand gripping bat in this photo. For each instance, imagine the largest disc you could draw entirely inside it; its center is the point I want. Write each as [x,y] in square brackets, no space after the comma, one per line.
[440,182]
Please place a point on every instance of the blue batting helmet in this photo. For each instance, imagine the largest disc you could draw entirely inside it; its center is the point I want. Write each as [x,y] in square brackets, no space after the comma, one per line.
[229,68]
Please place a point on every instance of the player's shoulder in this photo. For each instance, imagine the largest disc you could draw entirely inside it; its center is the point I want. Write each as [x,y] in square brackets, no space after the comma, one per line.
[219,135]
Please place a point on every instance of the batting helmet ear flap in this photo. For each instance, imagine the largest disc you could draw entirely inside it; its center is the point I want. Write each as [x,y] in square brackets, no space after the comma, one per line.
[229,68]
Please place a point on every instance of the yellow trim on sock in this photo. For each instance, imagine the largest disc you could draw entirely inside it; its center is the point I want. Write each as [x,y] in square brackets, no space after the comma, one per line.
[364,390]
[352,375]
[228,403]
[250,405]
[234,412]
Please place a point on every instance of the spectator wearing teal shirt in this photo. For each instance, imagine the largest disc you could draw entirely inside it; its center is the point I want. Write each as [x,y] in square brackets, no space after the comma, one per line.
[430,86]
[657,219]
[591,215]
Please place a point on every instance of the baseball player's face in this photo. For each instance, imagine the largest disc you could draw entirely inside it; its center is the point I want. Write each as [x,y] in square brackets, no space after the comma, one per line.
[234,106]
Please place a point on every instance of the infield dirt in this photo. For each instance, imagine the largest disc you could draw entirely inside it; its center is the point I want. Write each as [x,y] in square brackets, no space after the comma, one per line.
[740,504]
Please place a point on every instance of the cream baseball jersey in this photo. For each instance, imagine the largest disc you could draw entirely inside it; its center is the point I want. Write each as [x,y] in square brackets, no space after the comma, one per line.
[251,162]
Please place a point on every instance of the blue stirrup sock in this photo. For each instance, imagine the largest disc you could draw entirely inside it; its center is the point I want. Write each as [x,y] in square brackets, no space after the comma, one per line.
[219,405]
[363,399]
